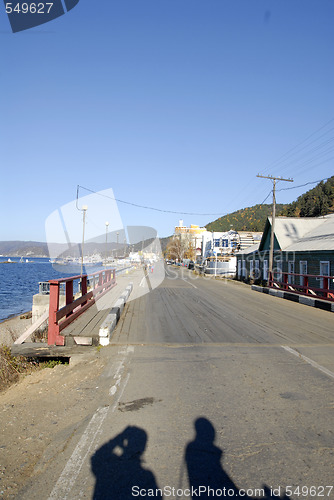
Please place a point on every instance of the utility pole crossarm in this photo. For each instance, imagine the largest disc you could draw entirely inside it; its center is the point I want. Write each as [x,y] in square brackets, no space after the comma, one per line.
[274,178]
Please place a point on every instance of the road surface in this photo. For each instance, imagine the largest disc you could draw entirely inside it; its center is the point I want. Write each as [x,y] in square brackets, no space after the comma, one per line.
[209,387]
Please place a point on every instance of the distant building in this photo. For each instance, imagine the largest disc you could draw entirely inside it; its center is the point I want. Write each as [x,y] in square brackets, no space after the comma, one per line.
[215,250]
[191,234]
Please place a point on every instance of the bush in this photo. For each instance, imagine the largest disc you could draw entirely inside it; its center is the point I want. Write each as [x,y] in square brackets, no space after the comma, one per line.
[11,367]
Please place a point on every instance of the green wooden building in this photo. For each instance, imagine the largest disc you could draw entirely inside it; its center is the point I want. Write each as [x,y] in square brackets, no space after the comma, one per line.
[301,246]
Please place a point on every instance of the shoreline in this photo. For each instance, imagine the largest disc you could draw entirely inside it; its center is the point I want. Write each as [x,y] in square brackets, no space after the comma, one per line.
[13,316]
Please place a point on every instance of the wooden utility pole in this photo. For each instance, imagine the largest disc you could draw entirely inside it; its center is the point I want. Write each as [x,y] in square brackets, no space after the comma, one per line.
[272,234]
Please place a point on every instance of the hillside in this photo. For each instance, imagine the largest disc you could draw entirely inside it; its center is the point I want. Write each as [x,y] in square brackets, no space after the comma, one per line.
[24,248]
[40,249]
[314,203]
[246,219]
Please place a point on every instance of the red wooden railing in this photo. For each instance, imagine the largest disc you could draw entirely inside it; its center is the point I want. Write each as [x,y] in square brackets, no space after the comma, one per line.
[101,282]
[287,281]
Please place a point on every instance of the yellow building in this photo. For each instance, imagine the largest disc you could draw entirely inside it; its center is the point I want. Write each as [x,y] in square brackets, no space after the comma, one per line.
[193,230]
[191,236]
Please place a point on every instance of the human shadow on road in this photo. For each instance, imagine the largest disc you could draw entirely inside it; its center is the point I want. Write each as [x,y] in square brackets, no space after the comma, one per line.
[118,467]
[203,462]
[207,478]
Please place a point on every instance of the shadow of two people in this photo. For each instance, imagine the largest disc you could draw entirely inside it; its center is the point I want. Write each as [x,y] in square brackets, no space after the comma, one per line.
[118,468]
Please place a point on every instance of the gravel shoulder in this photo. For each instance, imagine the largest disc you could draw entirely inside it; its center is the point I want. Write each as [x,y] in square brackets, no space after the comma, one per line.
[48,405]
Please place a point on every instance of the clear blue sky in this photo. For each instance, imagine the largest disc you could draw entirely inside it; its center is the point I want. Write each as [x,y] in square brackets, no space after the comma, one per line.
[174,104]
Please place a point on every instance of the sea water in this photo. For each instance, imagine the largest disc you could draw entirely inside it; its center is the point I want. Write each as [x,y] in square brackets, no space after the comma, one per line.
[19,281]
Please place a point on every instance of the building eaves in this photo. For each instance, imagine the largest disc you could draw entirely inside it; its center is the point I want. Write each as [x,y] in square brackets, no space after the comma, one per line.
[249,250]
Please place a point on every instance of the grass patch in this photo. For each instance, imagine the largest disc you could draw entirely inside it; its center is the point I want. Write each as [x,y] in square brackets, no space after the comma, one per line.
[11,367]
[14,367]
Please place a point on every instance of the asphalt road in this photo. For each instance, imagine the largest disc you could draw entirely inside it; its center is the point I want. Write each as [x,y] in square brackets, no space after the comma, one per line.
[210,386]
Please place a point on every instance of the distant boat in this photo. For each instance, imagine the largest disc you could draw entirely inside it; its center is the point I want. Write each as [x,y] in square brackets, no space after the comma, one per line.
[8,261]
[22,260]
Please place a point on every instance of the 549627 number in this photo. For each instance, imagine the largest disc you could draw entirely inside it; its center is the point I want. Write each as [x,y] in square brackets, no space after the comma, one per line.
[309,491]
[32,8]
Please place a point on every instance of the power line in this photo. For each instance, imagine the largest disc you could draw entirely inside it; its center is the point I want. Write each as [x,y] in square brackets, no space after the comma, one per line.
[286,155]
[305,157]
[142,206]
[266,197]
[302,185]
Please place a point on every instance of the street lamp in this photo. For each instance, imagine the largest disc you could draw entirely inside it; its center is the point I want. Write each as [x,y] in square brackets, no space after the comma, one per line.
[107,224]
[84,208]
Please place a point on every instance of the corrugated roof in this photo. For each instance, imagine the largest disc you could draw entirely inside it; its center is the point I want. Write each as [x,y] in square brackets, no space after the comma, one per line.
[320,237]
[290,230]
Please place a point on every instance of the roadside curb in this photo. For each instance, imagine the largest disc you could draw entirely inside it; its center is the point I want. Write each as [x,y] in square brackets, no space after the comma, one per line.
[302,299]
[109,324]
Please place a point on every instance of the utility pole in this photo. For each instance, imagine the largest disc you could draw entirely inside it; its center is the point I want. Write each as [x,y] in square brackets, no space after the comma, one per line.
[272,234]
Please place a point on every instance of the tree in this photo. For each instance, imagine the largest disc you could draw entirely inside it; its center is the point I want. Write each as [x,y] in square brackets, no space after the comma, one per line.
[181,247]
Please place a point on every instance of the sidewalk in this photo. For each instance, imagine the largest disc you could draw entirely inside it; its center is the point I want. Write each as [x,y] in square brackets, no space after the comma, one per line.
[87,325]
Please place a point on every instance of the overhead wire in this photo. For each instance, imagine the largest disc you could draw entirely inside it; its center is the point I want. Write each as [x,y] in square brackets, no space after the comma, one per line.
[283,158]
[302,156]
[303,185]
[266,197]
[307,159]
[284,162]
[144,206]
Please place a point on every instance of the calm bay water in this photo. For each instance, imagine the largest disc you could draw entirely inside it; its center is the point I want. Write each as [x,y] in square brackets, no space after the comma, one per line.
[19,282]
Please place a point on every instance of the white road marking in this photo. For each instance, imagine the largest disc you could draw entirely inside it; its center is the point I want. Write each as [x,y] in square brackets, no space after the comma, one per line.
[142,281]
[74,465]
[184,279]
[308,360]
[68,477]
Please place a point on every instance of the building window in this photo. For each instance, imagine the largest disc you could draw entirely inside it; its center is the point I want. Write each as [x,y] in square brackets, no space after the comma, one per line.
[291,269]
[251,269]
[279,270]
[239,268]
[265,269]
[324,271]
[302,270]
[243,268]
[257,270]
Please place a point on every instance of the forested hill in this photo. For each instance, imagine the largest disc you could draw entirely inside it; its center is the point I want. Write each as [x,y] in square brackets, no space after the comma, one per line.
[314,203]
[246,219]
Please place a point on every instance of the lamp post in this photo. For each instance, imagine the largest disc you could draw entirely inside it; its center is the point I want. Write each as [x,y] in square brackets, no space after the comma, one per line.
[84,208]
[107,224]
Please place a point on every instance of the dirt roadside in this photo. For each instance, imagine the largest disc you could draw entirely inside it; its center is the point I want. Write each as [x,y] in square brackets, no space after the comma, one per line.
[45,406]
[12,328]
